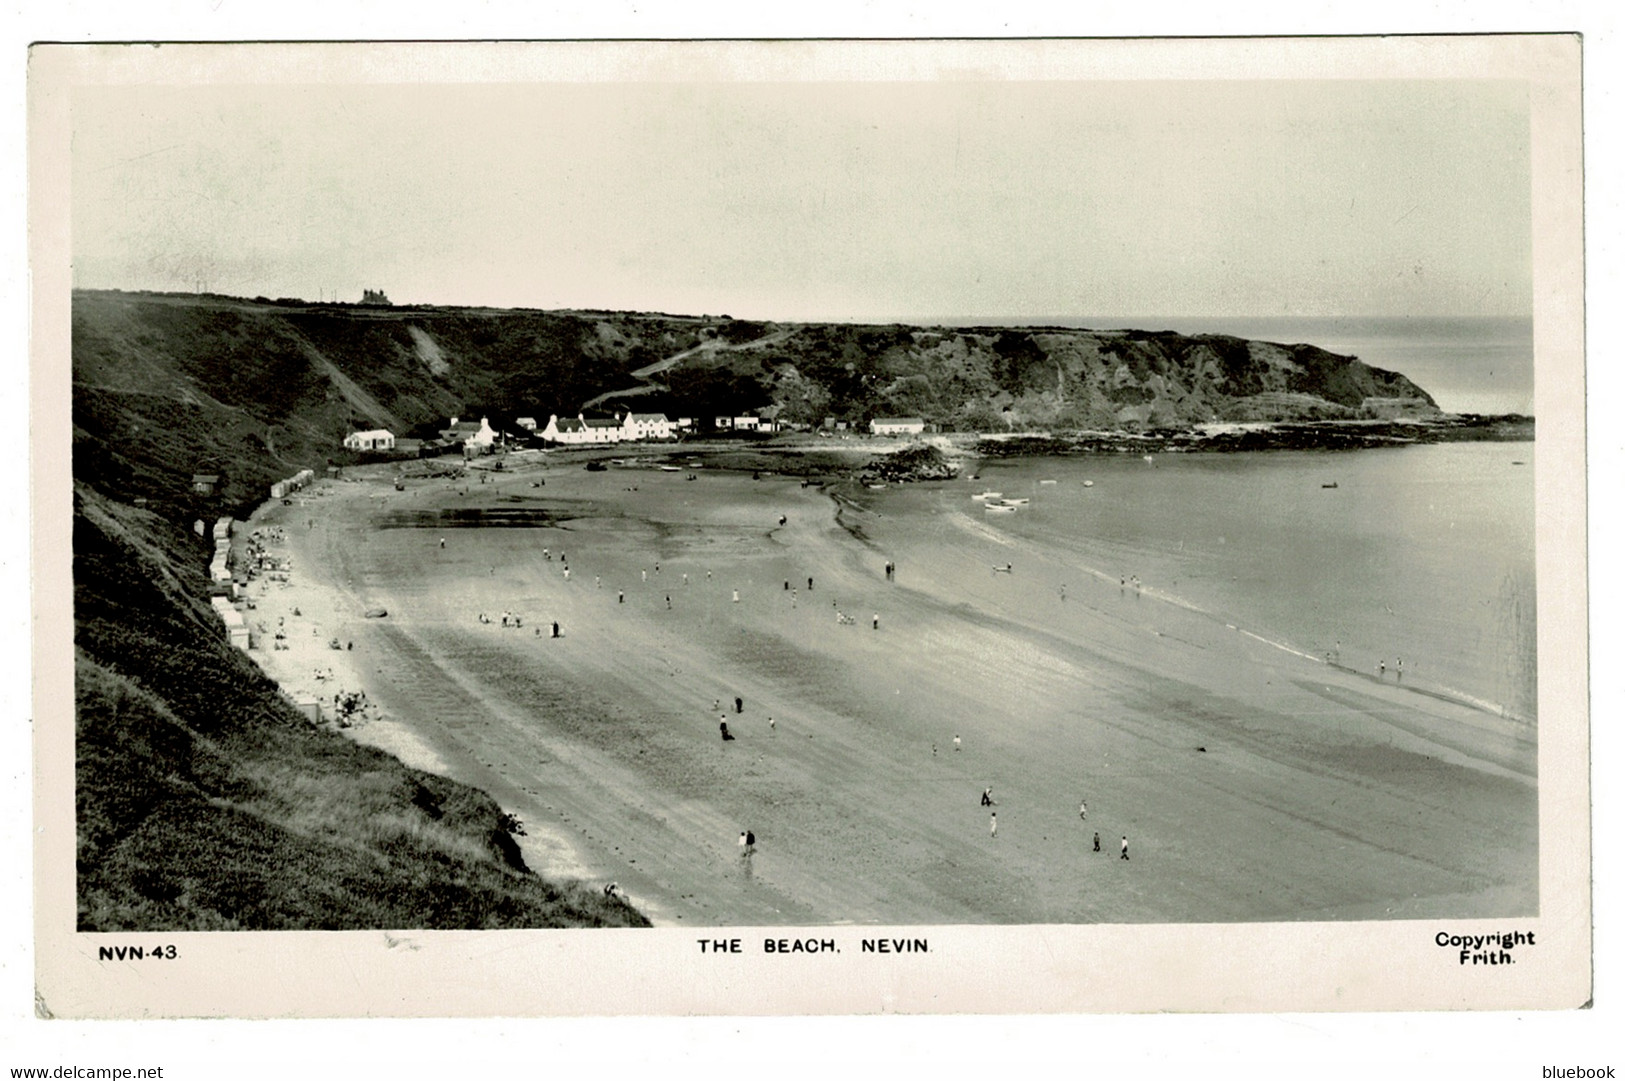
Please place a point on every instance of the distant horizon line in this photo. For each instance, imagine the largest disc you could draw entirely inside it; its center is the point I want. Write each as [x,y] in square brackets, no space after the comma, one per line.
[1048,319]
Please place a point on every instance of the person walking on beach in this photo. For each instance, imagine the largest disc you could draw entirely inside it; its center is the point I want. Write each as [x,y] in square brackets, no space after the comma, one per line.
[956,747]
[685,578]
[739,704]
[993,824]
[442,542]
[736,596]
[726,735]
[555,628]
[771,726]
[809,585]
[787,585]
[1123,855]
[566,574]
[645,574]
[750,842]
[668,602]
[1083,810]
[877,621]
[741,842]
[620,596]
[987,797]
[1097,840]
[598,581]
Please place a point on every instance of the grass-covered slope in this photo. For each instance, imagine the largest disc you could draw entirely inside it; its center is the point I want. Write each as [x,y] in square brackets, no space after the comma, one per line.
[206,802]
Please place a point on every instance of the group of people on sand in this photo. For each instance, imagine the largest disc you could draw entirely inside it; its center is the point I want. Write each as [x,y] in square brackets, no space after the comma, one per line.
[1083,816]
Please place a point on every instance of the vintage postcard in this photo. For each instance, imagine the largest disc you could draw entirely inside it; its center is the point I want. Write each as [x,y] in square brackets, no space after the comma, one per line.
[1047,526]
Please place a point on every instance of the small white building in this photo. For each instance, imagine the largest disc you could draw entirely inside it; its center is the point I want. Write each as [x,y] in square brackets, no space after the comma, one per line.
[566,430]
[527,423]
[485,438]
[376,439]
[897,425]
[578,431]
[747,424]
[647,426]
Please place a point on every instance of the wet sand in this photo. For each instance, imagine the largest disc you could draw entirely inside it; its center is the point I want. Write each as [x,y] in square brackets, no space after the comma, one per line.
[1253,785]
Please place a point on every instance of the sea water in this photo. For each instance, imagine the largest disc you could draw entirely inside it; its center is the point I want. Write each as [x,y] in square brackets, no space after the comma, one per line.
[1420,556]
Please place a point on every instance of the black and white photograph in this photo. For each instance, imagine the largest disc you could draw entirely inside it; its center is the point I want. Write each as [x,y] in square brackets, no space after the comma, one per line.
[830,508]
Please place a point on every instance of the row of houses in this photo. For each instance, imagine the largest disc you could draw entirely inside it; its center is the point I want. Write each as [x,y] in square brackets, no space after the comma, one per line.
[580,430]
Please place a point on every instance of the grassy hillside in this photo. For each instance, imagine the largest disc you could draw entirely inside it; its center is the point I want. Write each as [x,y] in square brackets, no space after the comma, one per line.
[166,385]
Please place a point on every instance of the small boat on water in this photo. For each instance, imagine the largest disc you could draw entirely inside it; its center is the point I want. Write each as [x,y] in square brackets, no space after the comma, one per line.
[988,495]
[1333,484]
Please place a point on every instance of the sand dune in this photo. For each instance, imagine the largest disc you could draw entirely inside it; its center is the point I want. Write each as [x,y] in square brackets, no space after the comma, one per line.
[1252,785]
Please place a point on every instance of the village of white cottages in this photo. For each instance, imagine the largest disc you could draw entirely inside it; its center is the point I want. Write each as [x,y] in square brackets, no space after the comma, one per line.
[480,438]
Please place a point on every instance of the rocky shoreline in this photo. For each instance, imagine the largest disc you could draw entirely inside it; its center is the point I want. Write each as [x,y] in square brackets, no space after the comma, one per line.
[1281,435]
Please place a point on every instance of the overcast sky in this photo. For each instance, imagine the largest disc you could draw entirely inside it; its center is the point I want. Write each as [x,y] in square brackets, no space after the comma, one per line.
[863,201]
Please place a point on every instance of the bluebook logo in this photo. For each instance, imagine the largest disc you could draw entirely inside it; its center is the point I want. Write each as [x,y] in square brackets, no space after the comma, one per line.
[1576,1071]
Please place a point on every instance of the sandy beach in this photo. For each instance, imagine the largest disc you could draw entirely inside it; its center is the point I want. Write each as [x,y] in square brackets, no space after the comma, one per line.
[1251,784]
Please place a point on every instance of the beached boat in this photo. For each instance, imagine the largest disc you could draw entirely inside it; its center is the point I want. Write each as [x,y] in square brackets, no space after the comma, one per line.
[670,469]
[1000,508]
[1052,482]
[1015,502]
[1088,484]
[988,495]
[1333,484]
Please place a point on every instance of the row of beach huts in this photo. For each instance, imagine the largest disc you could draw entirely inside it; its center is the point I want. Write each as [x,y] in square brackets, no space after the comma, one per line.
[220,572]
[284,488]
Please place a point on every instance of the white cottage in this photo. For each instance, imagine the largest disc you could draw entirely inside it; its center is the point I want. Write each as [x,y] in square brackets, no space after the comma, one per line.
[647,426]
[376,439]
[897,425]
